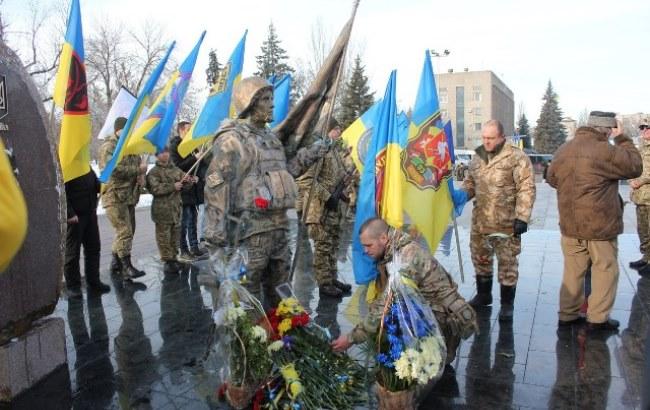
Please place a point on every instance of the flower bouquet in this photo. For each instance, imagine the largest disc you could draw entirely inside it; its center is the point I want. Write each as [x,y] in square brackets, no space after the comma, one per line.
[410,349]
[310,375]
[243,337]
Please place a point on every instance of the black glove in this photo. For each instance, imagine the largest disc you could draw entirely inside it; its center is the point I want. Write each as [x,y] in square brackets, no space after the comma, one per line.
[520,227]
[333,202]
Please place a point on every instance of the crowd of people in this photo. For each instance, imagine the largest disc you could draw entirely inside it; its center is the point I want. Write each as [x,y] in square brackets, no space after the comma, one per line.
[249,179]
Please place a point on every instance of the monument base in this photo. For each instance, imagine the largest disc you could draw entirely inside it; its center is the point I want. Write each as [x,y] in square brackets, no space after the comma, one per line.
[31,357]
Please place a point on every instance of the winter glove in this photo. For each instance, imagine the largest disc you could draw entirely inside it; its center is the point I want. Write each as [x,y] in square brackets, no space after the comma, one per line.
[520,227]
[333,202]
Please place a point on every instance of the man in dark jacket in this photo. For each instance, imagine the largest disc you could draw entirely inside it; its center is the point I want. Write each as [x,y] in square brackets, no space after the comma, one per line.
[585,171]
[191,198]
[81,195]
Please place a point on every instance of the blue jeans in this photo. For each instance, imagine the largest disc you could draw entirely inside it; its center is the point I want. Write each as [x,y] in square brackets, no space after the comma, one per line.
[188,228]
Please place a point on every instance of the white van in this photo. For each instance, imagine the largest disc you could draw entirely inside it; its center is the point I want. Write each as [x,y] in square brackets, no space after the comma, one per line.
[464,156]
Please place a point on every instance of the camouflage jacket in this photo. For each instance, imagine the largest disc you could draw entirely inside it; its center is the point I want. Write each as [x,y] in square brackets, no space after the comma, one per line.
[333,173]
[122,185]
[503,189]
[166,205]
[433,282]
[641,195]
[249,183]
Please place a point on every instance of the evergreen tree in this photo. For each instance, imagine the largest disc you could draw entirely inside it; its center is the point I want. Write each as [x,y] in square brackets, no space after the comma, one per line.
[356,96]
[523,129]
[549,132]
[212,72]
[273,57]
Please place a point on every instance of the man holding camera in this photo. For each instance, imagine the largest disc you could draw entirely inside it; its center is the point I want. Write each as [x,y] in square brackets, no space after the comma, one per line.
[640,195]
[585,172]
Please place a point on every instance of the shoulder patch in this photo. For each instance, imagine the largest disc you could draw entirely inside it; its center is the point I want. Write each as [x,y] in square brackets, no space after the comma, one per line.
[213,180]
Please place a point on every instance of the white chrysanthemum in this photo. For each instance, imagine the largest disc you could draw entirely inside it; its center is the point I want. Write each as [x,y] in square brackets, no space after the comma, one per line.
[234,313]
[259,333]
[275,346]
[411,355]
[403,367]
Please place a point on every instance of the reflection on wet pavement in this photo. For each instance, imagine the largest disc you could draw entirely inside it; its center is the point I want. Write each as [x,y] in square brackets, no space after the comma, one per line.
[149,348]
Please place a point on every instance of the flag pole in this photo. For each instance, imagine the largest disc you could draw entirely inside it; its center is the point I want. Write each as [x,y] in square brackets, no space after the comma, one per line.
[319,164]
[330,111]
[198,160]
[460,259]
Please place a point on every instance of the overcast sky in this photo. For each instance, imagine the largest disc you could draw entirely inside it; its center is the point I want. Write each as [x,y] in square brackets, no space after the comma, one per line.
[596,52]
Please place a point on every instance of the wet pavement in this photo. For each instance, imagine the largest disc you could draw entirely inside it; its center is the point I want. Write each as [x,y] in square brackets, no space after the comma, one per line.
[147,346]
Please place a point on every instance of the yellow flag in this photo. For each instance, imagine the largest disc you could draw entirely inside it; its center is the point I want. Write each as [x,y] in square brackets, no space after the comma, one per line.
[13,213]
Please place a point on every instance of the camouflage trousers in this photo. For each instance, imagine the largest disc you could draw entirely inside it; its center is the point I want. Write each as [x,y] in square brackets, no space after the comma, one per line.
[167,237]
[122,218]
[643,229]
[483,247]
[326,242]
[269,258]
[452,340]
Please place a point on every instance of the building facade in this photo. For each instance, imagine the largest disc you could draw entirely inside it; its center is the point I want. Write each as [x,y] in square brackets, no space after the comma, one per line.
[470,98]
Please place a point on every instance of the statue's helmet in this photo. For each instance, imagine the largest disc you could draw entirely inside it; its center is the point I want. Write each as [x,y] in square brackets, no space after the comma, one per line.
[245,91]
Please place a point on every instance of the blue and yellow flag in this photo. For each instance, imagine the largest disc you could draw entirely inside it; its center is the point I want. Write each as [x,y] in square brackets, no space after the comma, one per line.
[358,134]
[379,180]
[13,212]
[281,98]
[71,94]
[458,196]
[152,135]
[426,164]
[218,105]
[143,101]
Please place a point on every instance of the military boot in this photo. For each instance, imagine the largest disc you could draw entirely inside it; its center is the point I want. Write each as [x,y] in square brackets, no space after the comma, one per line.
[171,267]
[116,265]
[641,263]
[330,290]
[483,292]
[507,303]
[128,271]
[345,287]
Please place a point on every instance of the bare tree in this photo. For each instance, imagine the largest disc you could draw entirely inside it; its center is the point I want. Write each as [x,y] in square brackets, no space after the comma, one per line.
[150,45]
[104,57]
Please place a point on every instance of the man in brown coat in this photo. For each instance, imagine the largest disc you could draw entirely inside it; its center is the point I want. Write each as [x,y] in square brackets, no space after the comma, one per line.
[585,172]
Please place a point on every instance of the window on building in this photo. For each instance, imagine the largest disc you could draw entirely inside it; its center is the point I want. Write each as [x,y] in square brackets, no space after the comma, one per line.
[476,93]
[477,111]
[443,114]
[442,94]
[460,116]
[477,126]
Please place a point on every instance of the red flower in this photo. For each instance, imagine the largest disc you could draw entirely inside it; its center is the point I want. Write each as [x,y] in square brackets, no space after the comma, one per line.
[221,392]
[262,203]
[300,320]
[257,401]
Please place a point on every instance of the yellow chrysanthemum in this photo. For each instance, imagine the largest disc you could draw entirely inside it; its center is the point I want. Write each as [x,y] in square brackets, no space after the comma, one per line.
[289,306]
[284,326]
[292,379]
